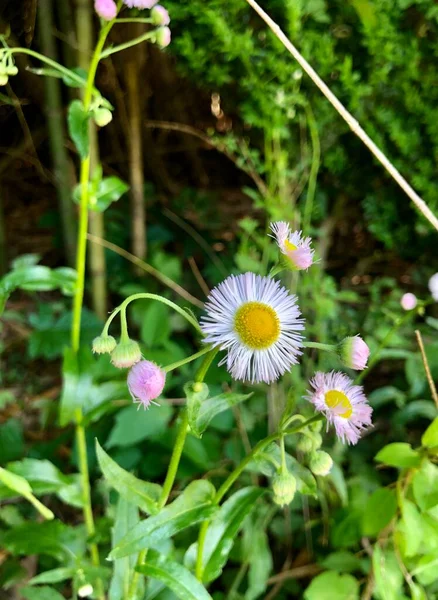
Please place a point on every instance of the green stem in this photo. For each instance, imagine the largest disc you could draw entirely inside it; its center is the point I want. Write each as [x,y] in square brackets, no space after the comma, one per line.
[184,361]
[52,63]
[327,347]
[129,44]
[206,364]
[235,475]
[133,20]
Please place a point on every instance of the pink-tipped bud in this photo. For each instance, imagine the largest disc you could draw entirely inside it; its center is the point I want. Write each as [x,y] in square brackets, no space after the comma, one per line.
[163,37]
[160,16]
[126,354]
[146,382]
[433,286]
[353,352]
[408,301]
[106,9]
[141,4]
[104,344]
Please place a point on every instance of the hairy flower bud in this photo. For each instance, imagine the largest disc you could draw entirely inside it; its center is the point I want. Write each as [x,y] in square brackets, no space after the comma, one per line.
[320,463]
[160,16]
[353,352]
[126,354]
[163,36]
[284,486]
[146,382]
[106,9]
[3,79]
[104,344]
[102,116]
[309,443]
[408,301]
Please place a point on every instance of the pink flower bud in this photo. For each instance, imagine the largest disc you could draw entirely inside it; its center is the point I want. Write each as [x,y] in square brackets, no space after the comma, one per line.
[145,382]
[141,4]
[353,352]
[160,16]
[106,9]
[433,286]
[163,37]
[408,301]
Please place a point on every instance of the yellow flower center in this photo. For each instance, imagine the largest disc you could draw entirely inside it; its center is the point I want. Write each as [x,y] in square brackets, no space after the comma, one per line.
[339,403]
[257,324]
[289,246]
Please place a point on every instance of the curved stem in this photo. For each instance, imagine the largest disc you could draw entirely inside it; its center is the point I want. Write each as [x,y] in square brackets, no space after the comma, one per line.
[184,361]
[48,61]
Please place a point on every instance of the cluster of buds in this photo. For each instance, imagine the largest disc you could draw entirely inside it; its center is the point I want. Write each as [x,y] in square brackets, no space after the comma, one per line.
[7,69]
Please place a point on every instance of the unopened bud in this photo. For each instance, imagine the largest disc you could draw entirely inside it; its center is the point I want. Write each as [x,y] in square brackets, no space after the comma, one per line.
[284,486]
[353,352]
[126,354]
[163,37]
[104,344]
[320,463]
[160,16]
[3,79]
[85,590]
[309,443]
[102,116]
[316,426]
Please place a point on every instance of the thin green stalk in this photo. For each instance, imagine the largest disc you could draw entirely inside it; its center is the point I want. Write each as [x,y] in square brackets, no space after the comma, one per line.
[184,361]
[52,63]
[235,475]
[327,347]
[138,40]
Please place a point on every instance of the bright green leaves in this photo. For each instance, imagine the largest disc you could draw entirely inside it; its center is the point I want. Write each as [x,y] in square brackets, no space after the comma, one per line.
[102,191]
[176,577]
[76,384]
[387,574]
[41,593]
[21,486]
[133,425]
[430,436]
[223,529]
[140,493]
[399,455]
[332,586]
[412,526]
[78,119]
[202,409]
[425,486]
[194,505]
[379,511]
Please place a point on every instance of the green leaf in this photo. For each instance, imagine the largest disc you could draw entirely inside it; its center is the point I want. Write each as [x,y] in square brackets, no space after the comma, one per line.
[399,455]
[77,119]
[430,436]
[42,475]
[176,577]
[77,381]
[342,561]
[48,537]
[223,530]
[259,558]
[21,486]
[127,517]
[155,324]
[192,506]
[42,593]
[102,192]
[387,574]
[425,486]
[379,511]
[425,570]
[412,526]
[133,425]
[332,586]
[71,82]
[201,409]
[54,575]
[143,494]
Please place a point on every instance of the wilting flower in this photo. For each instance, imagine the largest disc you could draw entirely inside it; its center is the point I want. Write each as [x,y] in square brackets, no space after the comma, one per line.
[320,463]
[145,382]
[343,404]
[409,301]
[295,248]
[107,9]
[126,354]
[160,16]
[164,37]
[140,3]
[104,344]
[433,286]
[353,352]
[257,322]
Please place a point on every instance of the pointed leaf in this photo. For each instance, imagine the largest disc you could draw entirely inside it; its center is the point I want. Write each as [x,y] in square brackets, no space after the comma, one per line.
[143,494]
[41,593]
[399,455]
[223,529]
[78,127]
[193,506]
[176,577]
[379,510]
[430,436]
[54,575]
[21,486]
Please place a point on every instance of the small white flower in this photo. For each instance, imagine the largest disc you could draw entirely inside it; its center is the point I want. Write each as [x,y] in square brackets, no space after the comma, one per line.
[433,286]
[258,322]
[295,248]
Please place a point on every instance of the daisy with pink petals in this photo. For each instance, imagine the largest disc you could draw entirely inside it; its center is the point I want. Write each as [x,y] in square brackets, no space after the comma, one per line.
[295,248]
[344,404]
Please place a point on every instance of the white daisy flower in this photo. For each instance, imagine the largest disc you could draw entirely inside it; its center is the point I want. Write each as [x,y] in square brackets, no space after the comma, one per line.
[293,246]
[257,321]
[343,403]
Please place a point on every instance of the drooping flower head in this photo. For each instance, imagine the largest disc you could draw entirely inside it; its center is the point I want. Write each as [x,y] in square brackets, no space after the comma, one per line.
[106,9]
[433,286]
[295,248]
[257,322]
[343,404]
[408,301]
[104,344]
[145,382]
[126,354]
[141,4]
[353,352]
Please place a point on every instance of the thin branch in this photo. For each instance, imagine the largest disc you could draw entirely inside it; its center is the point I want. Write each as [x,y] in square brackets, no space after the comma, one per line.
[348,118]
[427,368]
[198,276]
[148,268]
[296,573]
